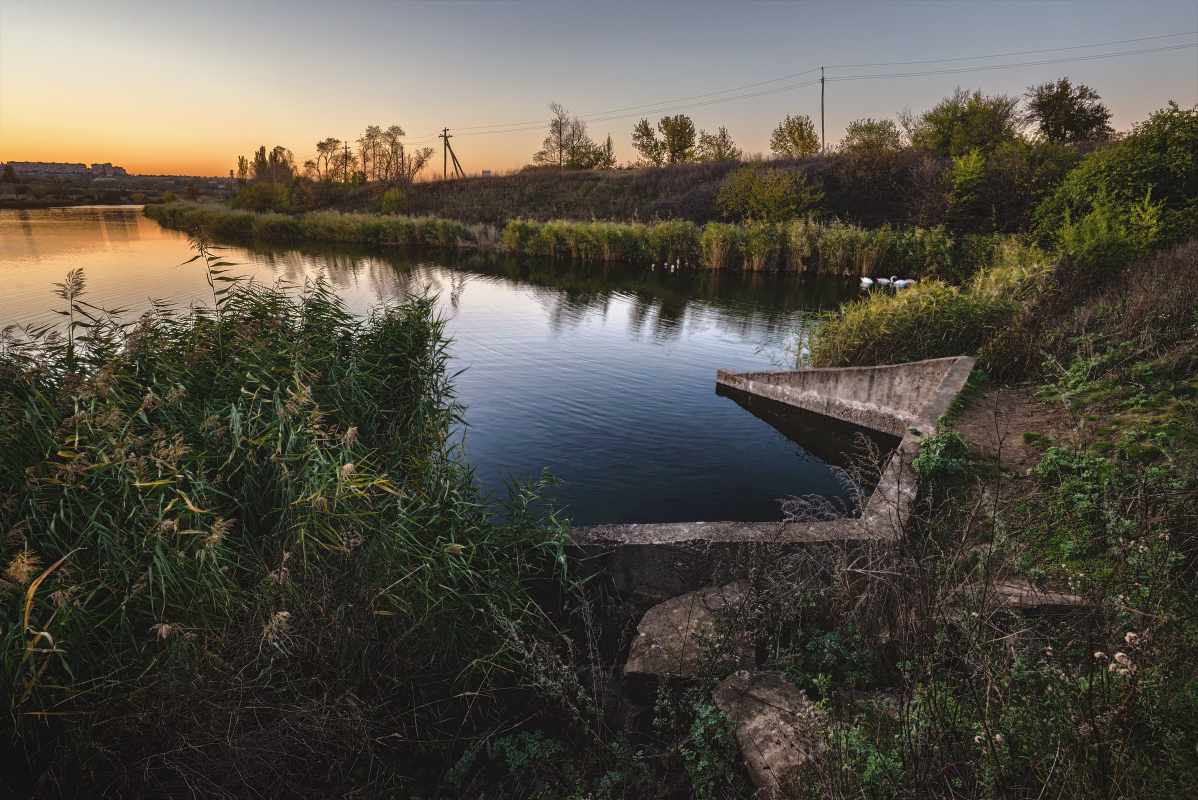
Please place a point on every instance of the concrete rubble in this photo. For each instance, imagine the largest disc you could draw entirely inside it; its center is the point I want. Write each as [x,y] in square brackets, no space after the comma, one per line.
[776,728]
[673,636]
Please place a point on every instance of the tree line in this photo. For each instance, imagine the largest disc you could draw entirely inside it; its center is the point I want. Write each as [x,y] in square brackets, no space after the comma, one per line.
[378,155]
[1057,112]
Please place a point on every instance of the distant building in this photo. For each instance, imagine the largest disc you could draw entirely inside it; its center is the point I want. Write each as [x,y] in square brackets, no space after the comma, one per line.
[106,170]
[486,173]
[47,169]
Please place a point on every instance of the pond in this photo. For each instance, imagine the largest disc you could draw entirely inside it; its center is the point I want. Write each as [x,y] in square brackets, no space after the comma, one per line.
[602,374]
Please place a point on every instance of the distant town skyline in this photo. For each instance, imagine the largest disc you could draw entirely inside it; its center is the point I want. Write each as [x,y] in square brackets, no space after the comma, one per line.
[208,83]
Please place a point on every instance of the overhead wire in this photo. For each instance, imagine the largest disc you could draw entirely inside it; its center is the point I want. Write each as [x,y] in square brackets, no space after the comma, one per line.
[681,103]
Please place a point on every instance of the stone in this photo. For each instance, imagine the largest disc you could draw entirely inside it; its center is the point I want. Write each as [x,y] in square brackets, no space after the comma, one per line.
[776,728]
[1022,594]
[672,636]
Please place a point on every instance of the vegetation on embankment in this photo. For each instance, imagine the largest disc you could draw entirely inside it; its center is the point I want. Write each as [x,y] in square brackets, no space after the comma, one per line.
[240,554]
[1075,477]
[799,245]
[1120,205]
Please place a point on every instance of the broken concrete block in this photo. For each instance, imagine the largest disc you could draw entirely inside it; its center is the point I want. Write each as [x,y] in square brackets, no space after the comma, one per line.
[1022,594]
[777,728]
[672,636]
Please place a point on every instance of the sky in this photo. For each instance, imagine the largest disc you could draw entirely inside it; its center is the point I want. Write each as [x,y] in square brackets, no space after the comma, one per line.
[172,87]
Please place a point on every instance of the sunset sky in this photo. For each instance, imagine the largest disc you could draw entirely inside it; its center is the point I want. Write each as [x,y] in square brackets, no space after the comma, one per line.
[184,88]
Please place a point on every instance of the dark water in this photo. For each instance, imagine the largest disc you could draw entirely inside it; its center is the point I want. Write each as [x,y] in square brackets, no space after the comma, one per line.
[604,374]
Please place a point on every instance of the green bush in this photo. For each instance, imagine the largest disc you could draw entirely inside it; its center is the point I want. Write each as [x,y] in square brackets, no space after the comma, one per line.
[767,194]
[1109,190]
[929,320]
[170,197]
[262,197]
[722,245]
[393,201]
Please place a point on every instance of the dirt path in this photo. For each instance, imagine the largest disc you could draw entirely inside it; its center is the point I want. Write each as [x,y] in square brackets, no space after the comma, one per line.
[1000,418]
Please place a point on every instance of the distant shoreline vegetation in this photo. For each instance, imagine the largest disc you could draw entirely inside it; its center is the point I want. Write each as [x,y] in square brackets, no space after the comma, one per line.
[800,245]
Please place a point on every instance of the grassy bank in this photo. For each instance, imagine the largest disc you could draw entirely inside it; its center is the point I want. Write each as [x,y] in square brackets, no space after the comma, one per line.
[240,554]
[799,246]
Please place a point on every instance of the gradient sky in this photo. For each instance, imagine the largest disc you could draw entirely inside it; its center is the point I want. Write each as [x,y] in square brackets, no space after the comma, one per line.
[184,87]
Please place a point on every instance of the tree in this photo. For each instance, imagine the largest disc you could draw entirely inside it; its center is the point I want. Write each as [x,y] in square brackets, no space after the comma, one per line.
[10,176]
[871,136]
[243,170]
[962,122]
[567,140]
[644,139]
[192,191]
[717,147]
[368,149]
[794,137]
[1066,114]
[678,134]
[676,146]
[586,154]
[325,151]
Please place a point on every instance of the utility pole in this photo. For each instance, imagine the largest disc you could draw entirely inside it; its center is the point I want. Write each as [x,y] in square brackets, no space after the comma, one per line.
[445,153]
[823,135]
[345,164]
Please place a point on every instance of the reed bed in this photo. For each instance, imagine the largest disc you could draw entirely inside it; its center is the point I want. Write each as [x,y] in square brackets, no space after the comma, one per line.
[933,318]
[240,551]
[802,245]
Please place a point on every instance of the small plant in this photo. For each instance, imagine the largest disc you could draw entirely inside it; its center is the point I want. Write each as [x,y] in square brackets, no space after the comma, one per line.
[943,459]
[712,757]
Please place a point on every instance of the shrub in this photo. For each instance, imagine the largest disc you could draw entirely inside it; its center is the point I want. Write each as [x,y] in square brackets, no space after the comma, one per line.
[929,320]
[675,240]
[170,197]
[965,121]
[870,136]
[394,201]
[767,194]
[262,197]
[138,197]
[1154,165]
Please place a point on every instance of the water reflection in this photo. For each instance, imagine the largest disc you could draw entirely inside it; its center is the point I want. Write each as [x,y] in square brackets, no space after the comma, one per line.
[604,374]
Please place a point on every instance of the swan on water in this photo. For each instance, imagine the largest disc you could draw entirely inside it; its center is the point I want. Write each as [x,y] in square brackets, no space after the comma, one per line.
[866,283]
[903,284]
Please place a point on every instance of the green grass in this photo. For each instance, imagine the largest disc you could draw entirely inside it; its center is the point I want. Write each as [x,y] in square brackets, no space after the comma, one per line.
[253,505]
[800,246]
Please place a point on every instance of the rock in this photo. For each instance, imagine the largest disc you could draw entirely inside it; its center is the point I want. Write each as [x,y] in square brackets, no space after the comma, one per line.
[672,635]
[1019,593]
[776,728]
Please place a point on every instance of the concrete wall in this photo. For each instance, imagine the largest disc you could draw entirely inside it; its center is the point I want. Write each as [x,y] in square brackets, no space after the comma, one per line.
[887,398]
[905,400]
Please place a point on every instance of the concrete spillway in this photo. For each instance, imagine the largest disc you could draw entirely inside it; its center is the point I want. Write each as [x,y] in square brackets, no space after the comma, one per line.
[905,400]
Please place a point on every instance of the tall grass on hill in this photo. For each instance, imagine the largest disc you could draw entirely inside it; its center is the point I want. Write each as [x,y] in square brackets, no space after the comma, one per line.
[240,552]
[932,319]
[833,248]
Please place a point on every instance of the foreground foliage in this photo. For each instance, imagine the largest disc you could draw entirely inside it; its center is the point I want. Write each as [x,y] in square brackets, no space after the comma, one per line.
[241,555]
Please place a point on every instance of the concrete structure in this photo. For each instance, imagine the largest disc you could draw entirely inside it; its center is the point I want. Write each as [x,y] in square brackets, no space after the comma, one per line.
[777,729]
[673,636]
[905,400]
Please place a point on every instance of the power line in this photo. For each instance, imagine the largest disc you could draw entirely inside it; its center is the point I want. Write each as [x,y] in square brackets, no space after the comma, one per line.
[670,105]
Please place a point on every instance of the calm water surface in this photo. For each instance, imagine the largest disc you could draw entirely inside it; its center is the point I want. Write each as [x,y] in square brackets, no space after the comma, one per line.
[603,374]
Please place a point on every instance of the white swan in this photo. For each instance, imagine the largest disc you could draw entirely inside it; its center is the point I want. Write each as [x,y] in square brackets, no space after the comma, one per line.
[883,281]
[903,284]
[866,283]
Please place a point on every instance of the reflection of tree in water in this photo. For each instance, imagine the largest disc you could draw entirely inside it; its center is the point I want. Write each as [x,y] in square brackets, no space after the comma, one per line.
[660,303]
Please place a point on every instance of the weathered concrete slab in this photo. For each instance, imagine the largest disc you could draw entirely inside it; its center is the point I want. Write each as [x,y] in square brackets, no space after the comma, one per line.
[1022,595]
[887,398]
[673,636]
[776,728]
[894,399]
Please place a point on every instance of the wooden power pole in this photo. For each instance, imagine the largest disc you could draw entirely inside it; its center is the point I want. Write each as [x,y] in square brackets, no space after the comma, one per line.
[446,154]
[823,134]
